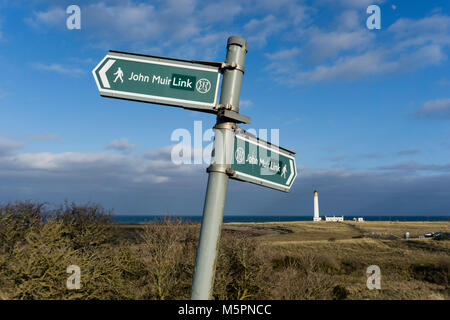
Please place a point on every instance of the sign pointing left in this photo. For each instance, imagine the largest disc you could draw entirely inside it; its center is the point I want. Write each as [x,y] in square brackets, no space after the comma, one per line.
[102,73]
[180,83]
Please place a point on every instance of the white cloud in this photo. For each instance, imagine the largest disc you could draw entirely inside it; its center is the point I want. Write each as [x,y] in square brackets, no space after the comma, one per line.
[121,145]
[245,104]
[138,184]
[352,3]
[150,178]
[412,167]
[283,61]
[433,29]
[422,41]
[330,44]
[350,20]
[193,29]
[259,30]
[221,11]
[353,67]
[124,169]
[8,146]
[59,68]
[197,156]
[158,154]
[425,56]
[350,52]
[284,54]
[439,108]
[138,22]
[186,28]
[53,17]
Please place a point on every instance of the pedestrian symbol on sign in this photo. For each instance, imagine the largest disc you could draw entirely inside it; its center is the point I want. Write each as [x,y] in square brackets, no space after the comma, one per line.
[283,171]
[119,75]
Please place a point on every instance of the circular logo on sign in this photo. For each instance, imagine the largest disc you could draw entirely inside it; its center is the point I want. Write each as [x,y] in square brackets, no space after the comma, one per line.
[203,85]
[240,155]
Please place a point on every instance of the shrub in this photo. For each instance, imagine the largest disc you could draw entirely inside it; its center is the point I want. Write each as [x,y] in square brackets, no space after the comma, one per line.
[38,245]
[349,266]
[15,219]
[328,264]
[298,278]
[167,250]
[340,292]
[239,268]
[87,226]
[285,262]
[438,273]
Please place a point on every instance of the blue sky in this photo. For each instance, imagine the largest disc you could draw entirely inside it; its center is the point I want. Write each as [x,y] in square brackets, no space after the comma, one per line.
[367,111]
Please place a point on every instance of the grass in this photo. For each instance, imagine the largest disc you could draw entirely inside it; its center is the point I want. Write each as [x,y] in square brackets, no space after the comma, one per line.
[289,260]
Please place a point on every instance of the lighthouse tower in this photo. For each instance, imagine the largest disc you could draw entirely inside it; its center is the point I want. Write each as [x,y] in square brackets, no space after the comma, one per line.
[316,207]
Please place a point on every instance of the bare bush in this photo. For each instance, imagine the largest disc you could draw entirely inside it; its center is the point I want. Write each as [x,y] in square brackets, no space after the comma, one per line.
[168,253]
[86,226]
[240,267]
[15,219]
[40,246]
[299,278]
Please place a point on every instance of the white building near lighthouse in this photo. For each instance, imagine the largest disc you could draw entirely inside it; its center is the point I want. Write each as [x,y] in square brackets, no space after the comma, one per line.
[316,207]
[335,219]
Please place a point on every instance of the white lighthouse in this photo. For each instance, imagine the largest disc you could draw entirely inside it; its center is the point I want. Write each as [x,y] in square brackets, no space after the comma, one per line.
[316,207]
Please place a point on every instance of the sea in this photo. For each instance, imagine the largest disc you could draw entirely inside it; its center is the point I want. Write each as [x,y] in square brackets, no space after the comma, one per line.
[142,219]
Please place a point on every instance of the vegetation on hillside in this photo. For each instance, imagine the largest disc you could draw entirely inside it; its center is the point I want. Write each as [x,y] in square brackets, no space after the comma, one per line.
[156,261]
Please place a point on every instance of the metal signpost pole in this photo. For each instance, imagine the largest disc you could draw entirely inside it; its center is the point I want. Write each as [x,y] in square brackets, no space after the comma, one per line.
[237,154]
[205,264]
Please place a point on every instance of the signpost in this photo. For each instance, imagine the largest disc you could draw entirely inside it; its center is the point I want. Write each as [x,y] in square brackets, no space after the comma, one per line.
[173,82]
[257,161]
[236,154]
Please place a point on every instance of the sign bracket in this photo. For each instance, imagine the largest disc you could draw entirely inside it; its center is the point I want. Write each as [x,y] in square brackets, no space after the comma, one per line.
[239,118]
[232,66]
[227,111]
[221,169]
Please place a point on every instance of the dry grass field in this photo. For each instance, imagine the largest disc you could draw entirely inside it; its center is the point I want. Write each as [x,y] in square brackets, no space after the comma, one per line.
[295,260]
[410,269]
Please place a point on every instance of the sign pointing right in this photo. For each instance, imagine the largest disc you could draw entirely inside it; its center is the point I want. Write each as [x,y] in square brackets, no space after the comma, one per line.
[260,162]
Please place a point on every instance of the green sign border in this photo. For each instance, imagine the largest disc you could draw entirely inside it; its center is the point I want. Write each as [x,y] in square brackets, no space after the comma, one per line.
[187,104]
[242,176]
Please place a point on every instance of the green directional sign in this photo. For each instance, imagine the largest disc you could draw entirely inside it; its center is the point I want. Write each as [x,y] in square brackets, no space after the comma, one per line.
[257,161]
[158,80]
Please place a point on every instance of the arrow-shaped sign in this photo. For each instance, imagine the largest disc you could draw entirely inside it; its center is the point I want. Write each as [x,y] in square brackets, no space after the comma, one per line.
[180,83]
[260,162]
[291,165]
[103,71]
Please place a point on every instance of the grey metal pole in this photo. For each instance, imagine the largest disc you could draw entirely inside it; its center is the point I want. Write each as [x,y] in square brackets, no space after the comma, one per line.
[208,247]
